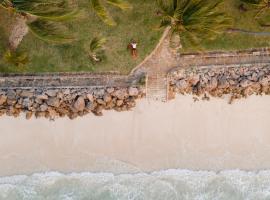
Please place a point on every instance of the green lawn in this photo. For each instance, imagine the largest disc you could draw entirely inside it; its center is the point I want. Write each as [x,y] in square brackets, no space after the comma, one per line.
[139,24]
[238,41]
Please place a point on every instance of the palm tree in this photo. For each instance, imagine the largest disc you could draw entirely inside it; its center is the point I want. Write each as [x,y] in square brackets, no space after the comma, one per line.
[261,6]
[41,17]
[193,20]
[96,51]
[101,11]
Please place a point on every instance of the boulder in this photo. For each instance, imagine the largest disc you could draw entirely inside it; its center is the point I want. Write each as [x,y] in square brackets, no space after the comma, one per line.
[28,115]
[119,102]
[99,92]
[213,83]
[90,97]
[223,83]
[107,98]
[42,97]
[52,93]
[182,84]
[132,91]
[54,102]
[90,106]
[27,103]
[79,104]
[43,107]
[27,93]
[245,83]
[120,94]
[101,102]
[110,90]
[264,81]
[11,94]
[194,79]
[3,99]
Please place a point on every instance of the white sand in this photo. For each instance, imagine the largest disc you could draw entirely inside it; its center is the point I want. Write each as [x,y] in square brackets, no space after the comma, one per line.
[180,134]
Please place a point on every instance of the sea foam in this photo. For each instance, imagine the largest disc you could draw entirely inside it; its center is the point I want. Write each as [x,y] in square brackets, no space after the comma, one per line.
[160,185]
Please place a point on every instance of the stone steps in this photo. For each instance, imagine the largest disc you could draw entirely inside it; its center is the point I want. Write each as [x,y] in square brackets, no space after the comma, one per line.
[157,87]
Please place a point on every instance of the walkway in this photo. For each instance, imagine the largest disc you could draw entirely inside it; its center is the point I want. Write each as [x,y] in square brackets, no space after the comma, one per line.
[65,80]
[163,59]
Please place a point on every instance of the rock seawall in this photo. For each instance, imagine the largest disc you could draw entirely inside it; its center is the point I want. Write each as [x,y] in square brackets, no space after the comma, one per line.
[238,82]
[54,103]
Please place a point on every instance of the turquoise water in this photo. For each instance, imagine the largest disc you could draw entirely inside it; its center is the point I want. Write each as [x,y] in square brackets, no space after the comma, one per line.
[162,185]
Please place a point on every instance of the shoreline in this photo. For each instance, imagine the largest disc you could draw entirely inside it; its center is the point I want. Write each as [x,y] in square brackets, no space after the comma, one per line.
[204,135]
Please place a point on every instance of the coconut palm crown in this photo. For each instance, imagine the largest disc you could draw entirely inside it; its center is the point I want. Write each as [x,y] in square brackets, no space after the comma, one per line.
[43,17]
[100,9]
[261,5]
[193,20]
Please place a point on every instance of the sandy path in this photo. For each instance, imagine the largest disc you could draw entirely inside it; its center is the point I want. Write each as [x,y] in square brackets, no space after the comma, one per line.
[178,134]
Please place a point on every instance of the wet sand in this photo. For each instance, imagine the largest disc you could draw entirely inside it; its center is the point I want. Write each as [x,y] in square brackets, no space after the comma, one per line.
[205,135]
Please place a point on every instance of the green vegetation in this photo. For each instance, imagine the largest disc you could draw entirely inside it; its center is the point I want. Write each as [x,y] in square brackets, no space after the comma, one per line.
[42,18]
[202,26]
[243,20]
[140,24]
[194,21]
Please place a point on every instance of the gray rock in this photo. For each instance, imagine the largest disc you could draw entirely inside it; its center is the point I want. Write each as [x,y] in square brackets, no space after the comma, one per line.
[181,84]
[43,107]
[223,83]
[120,94]
[90,106]
[27,103]
[99,92]
[11,94]
[90,97]
[54,102]
[213,83]
[132,91]
[52,93]
[245,83]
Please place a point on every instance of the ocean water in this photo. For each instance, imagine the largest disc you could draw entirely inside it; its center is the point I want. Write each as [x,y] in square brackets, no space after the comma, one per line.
[161,185]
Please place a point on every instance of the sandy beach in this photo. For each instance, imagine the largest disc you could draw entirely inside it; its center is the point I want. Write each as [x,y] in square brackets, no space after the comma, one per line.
[205,135]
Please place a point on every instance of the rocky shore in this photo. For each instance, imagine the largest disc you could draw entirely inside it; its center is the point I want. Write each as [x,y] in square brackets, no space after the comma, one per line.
[54,103]
[238,82]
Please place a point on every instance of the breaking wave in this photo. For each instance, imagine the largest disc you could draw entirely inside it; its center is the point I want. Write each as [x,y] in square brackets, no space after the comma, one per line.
[161,185]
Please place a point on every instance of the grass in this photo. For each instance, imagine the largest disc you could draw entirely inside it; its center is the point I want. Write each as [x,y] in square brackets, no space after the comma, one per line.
[138,24]
[238,41]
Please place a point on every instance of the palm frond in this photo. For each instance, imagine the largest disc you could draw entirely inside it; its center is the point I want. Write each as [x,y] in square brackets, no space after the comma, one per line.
[50,9]
[194,20]
[96,52]
[101,11]
[50,31]
[97,44]
[122,4]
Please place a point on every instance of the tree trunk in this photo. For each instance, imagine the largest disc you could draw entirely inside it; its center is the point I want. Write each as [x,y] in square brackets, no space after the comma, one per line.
[18,30]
